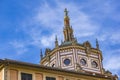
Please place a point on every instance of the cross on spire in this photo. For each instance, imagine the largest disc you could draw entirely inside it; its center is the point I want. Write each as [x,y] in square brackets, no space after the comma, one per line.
[66,12]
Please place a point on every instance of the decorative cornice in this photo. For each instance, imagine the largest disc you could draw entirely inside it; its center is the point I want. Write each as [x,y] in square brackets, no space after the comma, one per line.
[51,52]
[41,67]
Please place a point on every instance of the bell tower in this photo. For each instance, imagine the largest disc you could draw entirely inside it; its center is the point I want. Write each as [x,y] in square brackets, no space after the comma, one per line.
[68,31]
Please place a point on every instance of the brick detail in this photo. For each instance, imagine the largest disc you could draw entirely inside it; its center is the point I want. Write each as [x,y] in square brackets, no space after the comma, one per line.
[13,75]
[0,75]
[60,78]
[38,76]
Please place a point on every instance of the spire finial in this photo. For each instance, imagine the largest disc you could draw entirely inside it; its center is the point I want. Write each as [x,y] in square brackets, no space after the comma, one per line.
[41,55]
[66,12]
[56,38]
[66,18]
[56,41]
[68,31]
[97,44]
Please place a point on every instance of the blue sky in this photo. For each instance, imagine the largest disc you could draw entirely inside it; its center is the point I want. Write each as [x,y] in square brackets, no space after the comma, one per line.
[26,26]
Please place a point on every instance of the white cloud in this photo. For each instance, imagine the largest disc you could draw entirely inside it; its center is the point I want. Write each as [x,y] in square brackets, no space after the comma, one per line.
[102,8]
[112,60]
[19,47]
[48,17]
[48,41]
[103,37]
[51,19]
[113,63]
[115,37]
[110,36]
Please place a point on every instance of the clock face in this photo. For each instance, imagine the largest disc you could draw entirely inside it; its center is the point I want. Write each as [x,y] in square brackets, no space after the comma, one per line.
[67,62]
[83,62]
[94,64]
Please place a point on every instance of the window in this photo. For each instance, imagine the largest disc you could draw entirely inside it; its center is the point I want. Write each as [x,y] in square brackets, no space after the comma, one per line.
[67,62]
[50,78]
[25,76]
[94,64]
[83,62]
[53,65]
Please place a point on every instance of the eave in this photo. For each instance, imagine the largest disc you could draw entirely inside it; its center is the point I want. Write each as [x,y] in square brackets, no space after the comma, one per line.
[37,66]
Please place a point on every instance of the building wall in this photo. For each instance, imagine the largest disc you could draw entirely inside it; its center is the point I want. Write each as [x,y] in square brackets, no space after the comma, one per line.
[1,75]
[38,76]
[60,78]
[74,54]
[89,59]
[15,74]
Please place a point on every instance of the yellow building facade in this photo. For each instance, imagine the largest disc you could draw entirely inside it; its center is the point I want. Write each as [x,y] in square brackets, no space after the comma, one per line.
[69,60]
[13,70]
